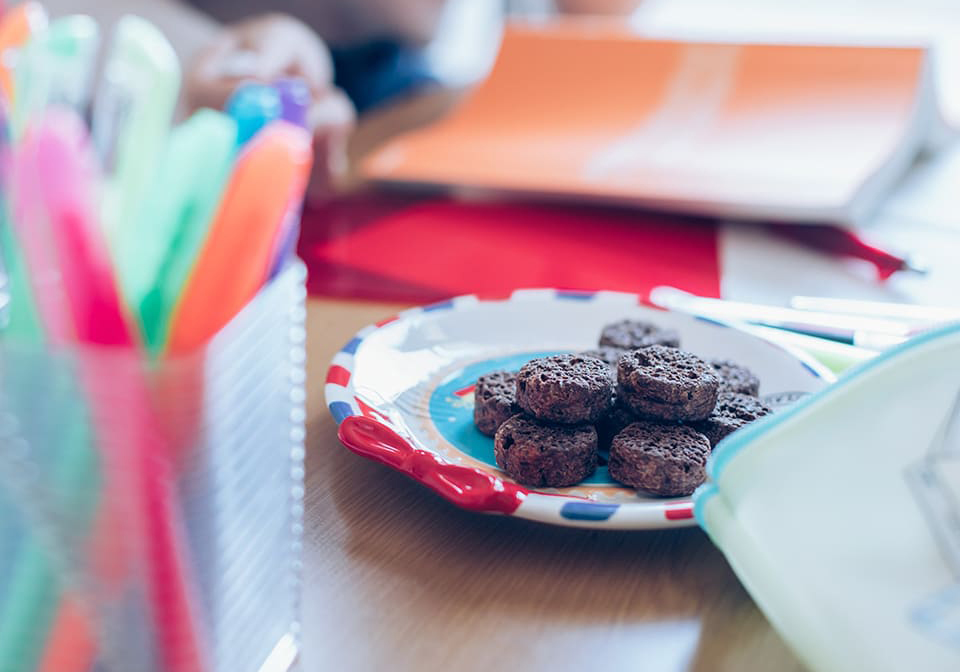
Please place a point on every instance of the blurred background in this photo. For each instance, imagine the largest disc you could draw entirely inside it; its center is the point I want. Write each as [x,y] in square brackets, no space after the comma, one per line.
[466,40]
[665,145]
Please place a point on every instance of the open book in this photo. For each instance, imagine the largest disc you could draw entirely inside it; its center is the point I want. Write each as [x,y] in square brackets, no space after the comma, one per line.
[589,112]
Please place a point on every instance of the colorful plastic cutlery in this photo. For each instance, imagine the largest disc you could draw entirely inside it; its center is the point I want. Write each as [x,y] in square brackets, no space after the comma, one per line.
[270,175]
[21,322]
[253,106]
[295,99]
[131,119]
[16,27]
[155,264]
[58,157]
[55,68]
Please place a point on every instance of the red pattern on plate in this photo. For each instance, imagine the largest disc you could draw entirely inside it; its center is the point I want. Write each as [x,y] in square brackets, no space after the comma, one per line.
[464,486]
[370,412]
[682,512]
[337,375]
[464,391]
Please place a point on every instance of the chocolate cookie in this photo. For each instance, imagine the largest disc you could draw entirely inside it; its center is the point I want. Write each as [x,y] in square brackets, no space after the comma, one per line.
[667,460]
[538,454]
[613,423]
[667,384]
[733,411]
[494,400]
[606,354]
[735,378]
[569,389]
[631,334]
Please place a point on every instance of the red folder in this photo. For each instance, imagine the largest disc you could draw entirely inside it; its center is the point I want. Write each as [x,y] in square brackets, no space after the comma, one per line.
[394,248]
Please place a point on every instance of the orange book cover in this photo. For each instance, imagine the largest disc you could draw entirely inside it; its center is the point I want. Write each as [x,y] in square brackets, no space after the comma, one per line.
[589,112]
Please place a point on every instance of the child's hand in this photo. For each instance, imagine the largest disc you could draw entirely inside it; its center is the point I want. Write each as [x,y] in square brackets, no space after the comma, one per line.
[267,48]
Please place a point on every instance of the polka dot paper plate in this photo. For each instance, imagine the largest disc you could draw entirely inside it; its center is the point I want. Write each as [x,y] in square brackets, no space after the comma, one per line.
[402,393]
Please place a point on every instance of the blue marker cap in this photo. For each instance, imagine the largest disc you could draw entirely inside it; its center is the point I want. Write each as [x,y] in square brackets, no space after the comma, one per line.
[253,106]
[294,99]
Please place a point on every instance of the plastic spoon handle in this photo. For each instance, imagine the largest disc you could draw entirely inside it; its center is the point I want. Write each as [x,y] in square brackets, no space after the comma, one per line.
[253,106]
[270,175]
[131,118]
[16,27]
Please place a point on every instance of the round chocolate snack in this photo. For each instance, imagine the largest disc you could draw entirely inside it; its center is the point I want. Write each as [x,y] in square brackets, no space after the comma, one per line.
[568,389]
[732,412]
[667,384]
[632,334]
[543,455]
[613,422]
[667,460]
[494,400]
[735,378]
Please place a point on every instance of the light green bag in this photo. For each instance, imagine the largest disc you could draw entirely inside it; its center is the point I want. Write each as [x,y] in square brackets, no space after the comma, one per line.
[841,515]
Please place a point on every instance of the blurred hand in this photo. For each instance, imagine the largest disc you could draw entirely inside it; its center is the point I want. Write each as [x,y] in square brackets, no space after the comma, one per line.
[266,48]
[611,7]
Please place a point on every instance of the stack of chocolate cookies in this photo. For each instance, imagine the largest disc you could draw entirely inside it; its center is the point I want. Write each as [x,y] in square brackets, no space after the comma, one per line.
[546,434]
[657,409]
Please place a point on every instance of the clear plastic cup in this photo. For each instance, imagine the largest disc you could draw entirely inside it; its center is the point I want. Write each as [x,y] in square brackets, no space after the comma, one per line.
[151,511]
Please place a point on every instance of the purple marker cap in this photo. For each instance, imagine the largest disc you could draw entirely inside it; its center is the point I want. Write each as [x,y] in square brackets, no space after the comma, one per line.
[294,100]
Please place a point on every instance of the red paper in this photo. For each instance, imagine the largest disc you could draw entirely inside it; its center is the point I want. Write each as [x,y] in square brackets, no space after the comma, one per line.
[391,248]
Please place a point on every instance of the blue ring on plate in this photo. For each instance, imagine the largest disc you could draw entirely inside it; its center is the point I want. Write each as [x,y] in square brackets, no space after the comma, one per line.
[351,347]
[441,305]
[588,511]
[340,410]
[574,295]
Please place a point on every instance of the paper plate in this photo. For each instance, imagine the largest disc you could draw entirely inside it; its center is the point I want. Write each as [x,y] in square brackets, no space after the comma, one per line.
[402,392]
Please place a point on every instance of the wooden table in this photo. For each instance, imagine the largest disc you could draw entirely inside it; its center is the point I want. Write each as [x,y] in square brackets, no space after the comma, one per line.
[398,579]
